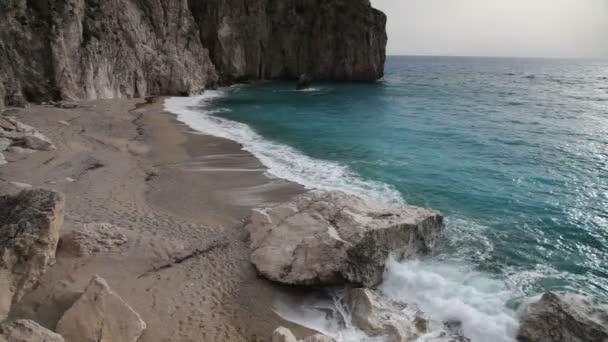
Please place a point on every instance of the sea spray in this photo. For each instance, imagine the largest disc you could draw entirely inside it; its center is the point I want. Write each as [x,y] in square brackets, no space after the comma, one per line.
[452,292]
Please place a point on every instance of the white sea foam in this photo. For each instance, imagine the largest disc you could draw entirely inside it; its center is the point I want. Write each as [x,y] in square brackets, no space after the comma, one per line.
[325,312]
[281,160]
[454,292]
[446,292]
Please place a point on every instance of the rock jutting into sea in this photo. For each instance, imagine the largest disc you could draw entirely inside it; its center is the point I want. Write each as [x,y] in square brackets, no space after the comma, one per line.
[81,50]
[564,317]
[331,238]
[303,82]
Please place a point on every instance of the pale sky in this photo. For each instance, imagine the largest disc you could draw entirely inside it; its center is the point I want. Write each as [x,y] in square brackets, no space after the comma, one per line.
[525,28]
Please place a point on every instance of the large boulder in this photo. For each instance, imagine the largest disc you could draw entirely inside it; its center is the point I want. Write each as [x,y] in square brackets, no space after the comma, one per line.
[329,238]
[29,232]
[564,317]
[377,316]
[27,331]
[100,315]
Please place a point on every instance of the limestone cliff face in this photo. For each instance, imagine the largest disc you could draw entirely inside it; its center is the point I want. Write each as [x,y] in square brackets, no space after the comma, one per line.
[89,49]
[270,39]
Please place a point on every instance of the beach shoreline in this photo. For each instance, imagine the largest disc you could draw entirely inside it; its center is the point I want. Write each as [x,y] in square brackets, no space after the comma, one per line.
[175,194]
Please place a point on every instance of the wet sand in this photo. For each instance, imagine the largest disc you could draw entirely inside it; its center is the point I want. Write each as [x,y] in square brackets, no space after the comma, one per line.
[181,199]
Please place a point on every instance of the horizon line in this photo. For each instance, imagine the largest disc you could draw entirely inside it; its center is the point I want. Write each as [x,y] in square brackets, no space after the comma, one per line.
[496,56]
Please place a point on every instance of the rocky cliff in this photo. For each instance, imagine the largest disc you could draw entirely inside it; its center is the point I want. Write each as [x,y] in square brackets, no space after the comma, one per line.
[88,49]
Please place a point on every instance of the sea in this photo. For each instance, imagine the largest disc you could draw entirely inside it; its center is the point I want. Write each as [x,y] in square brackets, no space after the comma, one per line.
[514,153]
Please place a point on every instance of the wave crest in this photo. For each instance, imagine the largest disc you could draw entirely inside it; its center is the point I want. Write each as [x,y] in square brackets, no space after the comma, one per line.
[281,160]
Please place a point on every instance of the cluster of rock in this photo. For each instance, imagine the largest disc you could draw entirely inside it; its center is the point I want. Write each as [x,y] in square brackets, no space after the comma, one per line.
[377,316]
[18,137]
[30,226]
[78,49]
[333,238]
[317,239]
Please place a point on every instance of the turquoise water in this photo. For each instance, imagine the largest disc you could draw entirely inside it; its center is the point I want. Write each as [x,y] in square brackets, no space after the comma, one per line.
[514,152]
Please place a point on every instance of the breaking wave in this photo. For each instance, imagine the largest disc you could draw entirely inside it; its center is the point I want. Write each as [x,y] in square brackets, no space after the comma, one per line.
[281,160]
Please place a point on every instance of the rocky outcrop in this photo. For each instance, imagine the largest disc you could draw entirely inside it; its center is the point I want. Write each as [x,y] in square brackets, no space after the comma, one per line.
[81,49]
[29,232]
[100,315]
[27,331]
[92,238]
[285,335]
[328,238]
[564,317]
[15,135]
[303,82]
[377,316]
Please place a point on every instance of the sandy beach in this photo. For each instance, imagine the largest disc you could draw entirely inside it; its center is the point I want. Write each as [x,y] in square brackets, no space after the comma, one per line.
[180,198]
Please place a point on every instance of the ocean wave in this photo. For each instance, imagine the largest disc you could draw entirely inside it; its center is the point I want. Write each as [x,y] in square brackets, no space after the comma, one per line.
[444,291]
[455,292]
[281,160]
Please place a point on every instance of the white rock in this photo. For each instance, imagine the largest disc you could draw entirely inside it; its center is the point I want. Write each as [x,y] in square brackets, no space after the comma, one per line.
[378,316]
[100,315]
[282,334]
[285,335]
[328,238]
